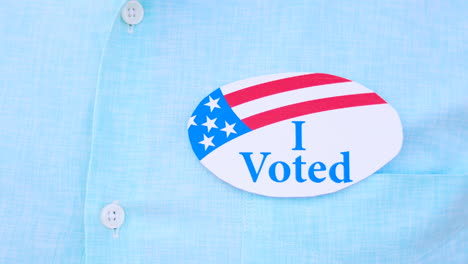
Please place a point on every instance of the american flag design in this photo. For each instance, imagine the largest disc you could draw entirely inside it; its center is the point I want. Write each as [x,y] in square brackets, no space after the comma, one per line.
[294,134]
[239,108]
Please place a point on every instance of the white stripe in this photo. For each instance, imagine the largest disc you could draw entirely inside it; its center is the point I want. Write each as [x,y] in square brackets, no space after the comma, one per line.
[297,96]
[235,86]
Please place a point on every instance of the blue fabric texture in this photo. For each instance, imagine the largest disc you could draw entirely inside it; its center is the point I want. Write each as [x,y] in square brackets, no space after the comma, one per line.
[90,114]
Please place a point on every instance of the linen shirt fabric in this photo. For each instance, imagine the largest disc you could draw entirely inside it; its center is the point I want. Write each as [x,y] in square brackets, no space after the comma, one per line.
[90,114]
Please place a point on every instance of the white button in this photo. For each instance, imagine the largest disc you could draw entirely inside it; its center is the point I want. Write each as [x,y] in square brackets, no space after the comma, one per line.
[132,12]
[112,215]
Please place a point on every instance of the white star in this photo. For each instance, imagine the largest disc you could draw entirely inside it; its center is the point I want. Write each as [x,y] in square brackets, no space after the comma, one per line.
[229,129]
[207,141]
[212,103]
[210,123]
[191,122]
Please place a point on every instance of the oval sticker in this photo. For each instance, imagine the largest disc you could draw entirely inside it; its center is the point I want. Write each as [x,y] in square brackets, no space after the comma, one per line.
[294,134]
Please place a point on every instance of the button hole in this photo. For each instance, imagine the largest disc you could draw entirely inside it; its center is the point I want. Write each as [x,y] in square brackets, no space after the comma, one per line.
[115,232]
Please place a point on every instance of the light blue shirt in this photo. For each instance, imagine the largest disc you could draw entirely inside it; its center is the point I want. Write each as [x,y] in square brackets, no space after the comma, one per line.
[90,114]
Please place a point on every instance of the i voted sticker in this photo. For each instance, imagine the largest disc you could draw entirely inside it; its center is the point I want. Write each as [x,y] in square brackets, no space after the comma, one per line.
[294,134]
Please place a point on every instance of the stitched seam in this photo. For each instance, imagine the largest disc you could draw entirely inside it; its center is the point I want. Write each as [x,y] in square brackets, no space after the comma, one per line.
[93,126]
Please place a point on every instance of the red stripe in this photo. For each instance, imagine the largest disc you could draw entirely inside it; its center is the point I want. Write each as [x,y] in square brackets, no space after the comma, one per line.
[280,86]
[310,107]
